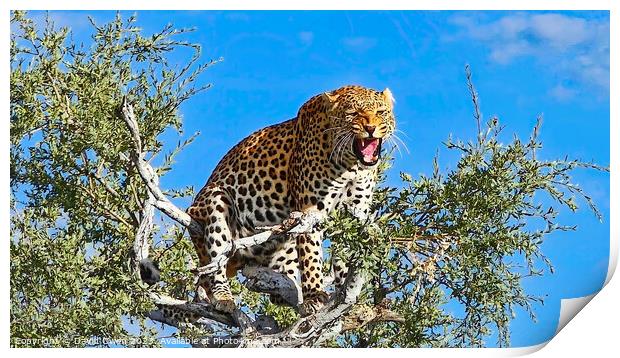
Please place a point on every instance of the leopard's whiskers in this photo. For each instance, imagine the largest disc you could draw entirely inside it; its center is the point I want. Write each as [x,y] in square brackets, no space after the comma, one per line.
[401,132]
[395,145]
[348,139]
[401,141]
[341,140]
[337,138]
[341,146]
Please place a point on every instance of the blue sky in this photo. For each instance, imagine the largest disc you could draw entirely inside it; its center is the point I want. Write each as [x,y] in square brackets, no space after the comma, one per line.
[524,64]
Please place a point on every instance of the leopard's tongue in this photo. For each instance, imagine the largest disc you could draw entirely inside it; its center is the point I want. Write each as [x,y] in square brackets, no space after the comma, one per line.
[368,148]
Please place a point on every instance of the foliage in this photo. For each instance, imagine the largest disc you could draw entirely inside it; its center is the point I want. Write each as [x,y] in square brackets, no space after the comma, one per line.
[75,198]
[465,238]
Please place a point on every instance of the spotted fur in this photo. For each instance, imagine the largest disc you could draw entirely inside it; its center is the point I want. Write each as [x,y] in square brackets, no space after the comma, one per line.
[323,159]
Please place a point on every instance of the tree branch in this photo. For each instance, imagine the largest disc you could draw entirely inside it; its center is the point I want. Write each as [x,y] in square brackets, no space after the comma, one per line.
[149,176]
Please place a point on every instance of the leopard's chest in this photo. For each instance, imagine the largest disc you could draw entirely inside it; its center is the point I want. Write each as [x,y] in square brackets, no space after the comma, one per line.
[351,188]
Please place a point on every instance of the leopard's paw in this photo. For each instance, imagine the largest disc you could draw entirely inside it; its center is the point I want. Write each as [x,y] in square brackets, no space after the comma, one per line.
[313,303]
[226,305]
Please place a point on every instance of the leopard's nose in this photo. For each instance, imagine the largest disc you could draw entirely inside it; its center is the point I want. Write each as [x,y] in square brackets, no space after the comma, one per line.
[370,129]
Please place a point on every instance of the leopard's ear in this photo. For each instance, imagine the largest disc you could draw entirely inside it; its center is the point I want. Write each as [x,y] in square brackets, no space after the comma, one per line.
[387,95]
[331,99]
[330,96]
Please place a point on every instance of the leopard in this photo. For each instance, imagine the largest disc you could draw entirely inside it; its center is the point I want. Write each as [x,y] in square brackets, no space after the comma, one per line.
[324,159]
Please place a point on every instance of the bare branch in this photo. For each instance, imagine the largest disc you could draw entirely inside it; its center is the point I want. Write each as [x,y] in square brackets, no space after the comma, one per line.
[149,176]
[188,311]
[142,242]
[475,101]
[263,279]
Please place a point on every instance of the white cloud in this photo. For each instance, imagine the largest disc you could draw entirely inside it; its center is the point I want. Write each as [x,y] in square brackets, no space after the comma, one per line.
[562,93]
[572,47]
[508,51]
[560,31]
[359,43]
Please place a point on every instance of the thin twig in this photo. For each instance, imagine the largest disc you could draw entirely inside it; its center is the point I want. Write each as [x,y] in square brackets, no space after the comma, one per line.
[474,99]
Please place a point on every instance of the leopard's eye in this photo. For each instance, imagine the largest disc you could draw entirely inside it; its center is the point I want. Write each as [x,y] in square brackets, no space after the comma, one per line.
[381,111]
[350,111]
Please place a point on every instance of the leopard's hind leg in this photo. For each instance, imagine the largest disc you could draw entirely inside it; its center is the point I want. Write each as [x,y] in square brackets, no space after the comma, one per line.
[214,210]
[285,261]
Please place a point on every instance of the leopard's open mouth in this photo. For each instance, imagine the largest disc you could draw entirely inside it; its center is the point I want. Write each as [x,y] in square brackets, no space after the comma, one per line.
[367,150]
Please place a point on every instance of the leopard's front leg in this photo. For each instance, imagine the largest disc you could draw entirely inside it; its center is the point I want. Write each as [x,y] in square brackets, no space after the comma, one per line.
[310,253]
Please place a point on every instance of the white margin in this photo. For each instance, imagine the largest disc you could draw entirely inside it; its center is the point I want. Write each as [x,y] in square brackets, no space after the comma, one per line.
[593,326]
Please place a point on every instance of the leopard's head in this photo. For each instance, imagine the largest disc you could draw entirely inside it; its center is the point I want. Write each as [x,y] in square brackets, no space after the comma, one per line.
[360,120]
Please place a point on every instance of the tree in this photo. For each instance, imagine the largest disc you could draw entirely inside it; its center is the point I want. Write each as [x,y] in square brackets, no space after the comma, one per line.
[86,254]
